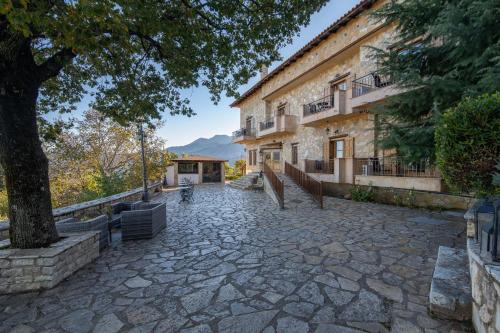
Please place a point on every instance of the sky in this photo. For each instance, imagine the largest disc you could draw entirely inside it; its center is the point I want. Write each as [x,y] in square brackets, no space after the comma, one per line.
[213,119]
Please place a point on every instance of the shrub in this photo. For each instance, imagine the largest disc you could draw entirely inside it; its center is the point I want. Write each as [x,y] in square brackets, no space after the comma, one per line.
[468,144]
[362,193]
[4,205]
[496,176]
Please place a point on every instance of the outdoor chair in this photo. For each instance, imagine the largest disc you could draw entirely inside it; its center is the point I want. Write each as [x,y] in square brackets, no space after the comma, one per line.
[187,190]
[145,220]
[99,223]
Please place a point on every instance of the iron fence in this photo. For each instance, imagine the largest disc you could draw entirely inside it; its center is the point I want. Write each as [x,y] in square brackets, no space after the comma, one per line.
[394,166]
[308,183]
[369,83]
[266,124]
[276,183]
[319,166]
[319,105]
[244,132]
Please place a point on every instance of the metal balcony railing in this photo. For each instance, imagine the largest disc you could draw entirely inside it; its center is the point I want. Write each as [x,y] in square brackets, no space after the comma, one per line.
[319,166]
[244,132]
[369,83]
[395,167]
[266,124]
[319,105]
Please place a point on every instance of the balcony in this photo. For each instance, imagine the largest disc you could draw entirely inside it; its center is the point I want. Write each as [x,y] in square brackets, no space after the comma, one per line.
[281,123]
[372,88]
[244,135]
[323,109]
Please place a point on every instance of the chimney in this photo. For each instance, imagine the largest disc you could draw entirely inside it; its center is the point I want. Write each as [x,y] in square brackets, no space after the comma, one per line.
[263,71]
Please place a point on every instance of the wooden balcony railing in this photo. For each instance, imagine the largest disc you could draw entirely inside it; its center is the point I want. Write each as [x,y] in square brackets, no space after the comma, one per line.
[395,167]
[368,83]
[319,105]
[311,185]
[276,183]
[319,166]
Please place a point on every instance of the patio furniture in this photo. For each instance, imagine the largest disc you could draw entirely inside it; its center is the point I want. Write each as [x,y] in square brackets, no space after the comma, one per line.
[187,189]
[145,220]
[116,210]
[99,223]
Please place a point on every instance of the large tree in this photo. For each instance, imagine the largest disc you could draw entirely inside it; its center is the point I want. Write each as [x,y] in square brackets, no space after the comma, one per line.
[445,50]
[53,52]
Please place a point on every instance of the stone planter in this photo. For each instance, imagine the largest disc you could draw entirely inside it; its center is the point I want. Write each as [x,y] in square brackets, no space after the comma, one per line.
[99,223]
[144,221]
[33,269]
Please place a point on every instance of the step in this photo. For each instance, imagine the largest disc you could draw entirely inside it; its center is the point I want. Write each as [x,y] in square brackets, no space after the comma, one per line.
[450,295]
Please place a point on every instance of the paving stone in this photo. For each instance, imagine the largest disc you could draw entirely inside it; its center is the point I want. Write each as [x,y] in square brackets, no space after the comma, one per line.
[327,328]
[248,323]
[79,321]
[137,282]
[228,293]
[198,329]
[197,301]
[142,314]
[311,293]
[391,292]
[403,326]
[301,309]
[368,307]
[348,284]
[339,297]
[327,279]
[292,325]
[272,297]
[108,324]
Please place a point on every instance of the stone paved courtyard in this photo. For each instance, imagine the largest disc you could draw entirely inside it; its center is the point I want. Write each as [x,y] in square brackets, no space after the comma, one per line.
[233,262]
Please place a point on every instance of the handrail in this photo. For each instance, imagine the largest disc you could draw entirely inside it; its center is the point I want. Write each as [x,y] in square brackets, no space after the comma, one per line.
[244,131]
[308,183]
[369,82]
[319,105]
[394,166]
[319,166]
[276,183]
[266,124]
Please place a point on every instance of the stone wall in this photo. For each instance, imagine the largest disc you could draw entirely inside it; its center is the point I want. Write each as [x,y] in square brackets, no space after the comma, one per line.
[404,197]
[33,269]
[94,208]
[485,280]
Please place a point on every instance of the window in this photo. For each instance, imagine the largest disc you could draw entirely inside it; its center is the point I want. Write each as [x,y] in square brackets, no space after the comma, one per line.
[276,155]
[295,153]
[281,109]
[188,167]
[339,149]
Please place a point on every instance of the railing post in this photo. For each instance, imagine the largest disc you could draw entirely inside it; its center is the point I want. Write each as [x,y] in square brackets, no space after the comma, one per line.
[321,194]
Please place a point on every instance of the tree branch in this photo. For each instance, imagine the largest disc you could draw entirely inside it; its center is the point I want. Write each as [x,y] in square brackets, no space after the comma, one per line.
[52,66]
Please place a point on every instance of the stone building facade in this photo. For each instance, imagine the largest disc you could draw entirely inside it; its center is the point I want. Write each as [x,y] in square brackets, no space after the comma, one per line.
[313,110]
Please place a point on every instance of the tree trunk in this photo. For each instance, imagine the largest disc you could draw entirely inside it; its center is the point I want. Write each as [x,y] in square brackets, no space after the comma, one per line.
[24,162]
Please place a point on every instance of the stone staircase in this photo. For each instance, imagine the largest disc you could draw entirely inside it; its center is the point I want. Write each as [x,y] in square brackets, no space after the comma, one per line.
[250,181]
[450,295]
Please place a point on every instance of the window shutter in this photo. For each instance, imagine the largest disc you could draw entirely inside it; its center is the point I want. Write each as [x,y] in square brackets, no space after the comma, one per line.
[326,150]
[349,147]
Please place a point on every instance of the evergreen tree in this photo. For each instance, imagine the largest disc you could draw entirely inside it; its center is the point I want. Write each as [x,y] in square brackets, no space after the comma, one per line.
[445,50]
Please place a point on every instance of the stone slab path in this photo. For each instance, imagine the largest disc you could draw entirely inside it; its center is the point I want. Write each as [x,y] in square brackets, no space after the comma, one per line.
[231,261]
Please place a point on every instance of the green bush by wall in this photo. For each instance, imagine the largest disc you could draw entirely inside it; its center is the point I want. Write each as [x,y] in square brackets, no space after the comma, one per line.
[468,144]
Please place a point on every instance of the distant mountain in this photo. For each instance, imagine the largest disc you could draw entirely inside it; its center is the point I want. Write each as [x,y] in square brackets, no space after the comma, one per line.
[219,146]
